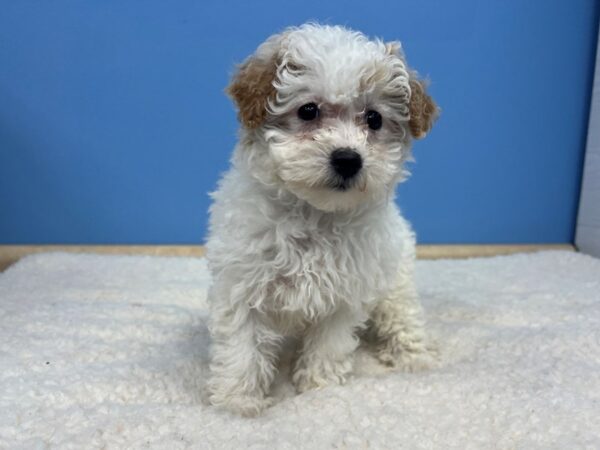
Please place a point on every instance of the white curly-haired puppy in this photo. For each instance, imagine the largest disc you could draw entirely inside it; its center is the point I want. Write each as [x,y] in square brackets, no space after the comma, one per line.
[305,238]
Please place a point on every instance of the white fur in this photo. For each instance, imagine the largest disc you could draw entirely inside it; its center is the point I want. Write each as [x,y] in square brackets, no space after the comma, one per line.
[289,255]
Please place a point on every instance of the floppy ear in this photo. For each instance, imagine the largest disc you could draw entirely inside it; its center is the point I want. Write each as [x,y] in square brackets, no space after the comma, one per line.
[423,110]
[251,88]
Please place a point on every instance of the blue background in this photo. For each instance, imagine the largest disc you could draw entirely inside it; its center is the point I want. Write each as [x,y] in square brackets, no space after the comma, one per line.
[114,125]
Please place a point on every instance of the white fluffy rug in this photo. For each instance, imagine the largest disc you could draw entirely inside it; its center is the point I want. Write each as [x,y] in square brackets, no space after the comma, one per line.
[111,352]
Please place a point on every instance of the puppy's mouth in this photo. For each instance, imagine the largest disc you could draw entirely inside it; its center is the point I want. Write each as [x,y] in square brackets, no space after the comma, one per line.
[342,185]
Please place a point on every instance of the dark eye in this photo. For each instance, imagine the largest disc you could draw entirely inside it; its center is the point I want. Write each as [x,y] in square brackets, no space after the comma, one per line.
[307,112]
[374,120]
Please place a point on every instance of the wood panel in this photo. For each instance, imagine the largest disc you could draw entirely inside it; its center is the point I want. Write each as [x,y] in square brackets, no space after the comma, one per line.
[12,253]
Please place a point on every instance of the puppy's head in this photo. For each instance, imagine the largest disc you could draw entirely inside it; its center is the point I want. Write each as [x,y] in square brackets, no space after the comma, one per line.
[330,115]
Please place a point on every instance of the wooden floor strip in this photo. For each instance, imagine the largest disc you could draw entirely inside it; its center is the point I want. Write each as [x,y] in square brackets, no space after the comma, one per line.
[9,254]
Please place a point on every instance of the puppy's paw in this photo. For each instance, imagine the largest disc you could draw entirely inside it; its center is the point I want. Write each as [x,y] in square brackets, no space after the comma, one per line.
[241,404]
[415,357]
[320,373]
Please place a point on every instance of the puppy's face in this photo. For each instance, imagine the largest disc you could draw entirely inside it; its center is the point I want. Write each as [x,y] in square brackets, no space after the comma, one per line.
[331,114]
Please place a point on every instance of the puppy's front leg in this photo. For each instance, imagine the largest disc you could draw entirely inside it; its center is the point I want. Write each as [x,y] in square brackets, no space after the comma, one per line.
[243,362]
[397,326]
[327,351]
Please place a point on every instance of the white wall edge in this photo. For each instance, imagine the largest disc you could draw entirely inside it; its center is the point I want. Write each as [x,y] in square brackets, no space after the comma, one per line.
[587,234]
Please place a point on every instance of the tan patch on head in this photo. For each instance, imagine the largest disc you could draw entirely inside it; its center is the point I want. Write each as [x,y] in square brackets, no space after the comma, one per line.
[423,110]
[393,48]
[251,88]
[367,82]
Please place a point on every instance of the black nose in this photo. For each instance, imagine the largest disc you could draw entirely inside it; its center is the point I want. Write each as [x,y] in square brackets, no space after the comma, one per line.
[346,162]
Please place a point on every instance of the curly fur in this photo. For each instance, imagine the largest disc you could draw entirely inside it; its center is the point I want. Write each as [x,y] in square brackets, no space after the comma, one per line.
[251,89]
[291,255]
[423,110]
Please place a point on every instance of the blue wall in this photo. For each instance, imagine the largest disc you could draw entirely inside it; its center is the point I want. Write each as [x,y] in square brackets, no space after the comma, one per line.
[114,125]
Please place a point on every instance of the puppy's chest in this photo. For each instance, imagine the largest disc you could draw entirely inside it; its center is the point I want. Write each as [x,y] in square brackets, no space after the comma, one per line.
[316,271]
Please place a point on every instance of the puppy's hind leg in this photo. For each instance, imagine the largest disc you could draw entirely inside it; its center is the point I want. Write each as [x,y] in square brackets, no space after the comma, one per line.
[397,328]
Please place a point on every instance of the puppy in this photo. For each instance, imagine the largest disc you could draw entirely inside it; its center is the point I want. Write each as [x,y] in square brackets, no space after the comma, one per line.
[305,238]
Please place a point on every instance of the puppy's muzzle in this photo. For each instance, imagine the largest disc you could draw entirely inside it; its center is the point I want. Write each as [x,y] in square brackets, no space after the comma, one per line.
[346,162]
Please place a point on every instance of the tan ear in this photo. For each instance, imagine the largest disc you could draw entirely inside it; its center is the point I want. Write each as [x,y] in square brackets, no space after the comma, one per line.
[423,110]
[251,88]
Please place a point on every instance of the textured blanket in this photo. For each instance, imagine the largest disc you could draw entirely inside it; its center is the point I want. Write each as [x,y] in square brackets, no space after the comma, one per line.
[111,352]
